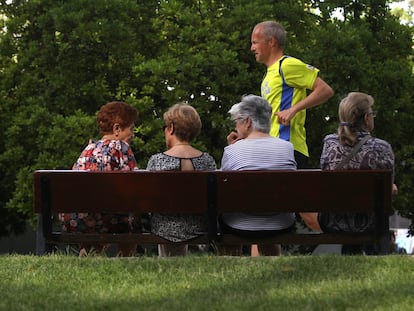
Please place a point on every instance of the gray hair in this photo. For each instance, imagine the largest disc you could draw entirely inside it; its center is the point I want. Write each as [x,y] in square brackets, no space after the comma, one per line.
[271,29]
[255,107]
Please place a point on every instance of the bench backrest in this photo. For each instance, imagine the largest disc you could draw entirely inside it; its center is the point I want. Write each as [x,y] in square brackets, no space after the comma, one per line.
[304,191]
[230,191]
[142,191]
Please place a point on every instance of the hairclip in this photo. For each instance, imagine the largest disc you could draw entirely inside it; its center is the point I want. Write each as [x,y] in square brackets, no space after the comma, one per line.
[346,124]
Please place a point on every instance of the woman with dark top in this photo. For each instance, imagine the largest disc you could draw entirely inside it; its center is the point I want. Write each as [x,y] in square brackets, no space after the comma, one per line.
[356,122]
[182,126]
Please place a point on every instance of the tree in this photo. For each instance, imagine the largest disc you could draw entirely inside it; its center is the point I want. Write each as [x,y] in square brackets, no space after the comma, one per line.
[60,60]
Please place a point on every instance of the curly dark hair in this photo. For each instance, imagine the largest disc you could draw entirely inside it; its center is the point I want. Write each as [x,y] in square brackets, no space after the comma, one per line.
[116,112]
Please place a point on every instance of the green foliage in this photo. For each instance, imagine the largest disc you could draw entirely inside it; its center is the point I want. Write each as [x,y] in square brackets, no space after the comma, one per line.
[56,144]
[61,60]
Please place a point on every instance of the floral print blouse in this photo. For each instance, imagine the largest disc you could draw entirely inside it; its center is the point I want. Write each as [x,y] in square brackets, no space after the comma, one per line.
[102,155]
[106,155]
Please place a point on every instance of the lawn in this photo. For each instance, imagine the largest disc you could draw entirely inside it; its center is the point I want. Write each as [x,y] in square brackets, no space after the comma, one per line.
[326,282]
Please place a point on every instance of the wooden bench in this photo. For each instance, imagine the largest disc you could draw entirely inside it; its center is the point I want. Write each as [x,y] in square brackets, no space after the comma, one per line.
[210,194]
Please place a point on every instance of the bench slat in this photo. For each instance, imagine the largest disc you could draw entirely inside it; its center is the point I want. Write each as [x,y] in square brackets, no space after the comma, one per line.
[301,239]
[149,238]
[301,191]
[116,192]
[143,238]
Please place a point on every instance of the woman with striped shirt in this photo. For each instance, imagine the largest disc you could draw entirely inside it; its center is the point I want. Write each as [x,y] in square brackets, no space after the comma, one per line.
[252,148]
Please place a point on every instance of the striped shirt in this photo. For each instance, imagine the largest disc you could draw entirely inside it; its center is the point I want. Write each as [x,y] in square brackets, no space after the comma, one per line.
[267,153]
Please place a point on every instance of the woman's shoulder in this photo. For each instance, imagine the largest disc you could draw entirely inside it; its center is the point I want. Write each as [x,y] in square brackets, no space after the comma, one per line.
[281,141]
[204,161]
[331,137]
[207,157]
[379,144]
[157,155]
[162,161]
[380,141]
[160,157]
[377,153]
[108,143]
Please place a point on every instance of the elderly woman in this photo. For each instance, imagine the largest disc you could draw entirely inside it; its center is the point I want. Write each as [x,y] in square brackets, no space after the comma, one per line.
[182,126]
[252,148]
[352,148]
[110,153]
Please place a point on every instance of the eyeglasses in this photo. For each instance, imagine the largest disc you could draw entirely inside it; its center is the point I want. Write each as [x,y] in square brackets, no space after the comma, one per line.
[235,120]
[373,113]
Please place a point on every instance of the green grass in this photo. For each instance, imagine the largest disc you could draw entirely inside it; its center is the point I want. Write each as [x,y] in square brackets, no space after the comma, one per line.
[59,282]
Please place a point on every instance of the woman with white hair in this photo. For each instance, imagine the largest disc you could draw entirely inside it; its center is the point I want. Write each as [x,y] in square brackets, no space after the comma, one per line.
[252,148]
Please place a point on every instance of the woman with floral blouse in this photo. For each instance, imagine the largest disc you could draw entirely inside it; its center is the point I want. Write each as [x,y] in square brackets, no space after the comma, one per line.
[111,153]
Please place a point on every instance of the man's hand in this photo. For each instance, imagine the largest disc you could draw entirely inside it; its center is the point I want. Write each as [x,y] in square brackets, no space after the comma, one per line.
[284,117]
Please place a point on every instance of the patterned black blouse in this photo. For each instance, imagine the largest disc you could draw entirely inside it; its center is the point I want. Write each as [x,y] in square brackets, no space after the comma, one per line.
[374,154]
[176,227]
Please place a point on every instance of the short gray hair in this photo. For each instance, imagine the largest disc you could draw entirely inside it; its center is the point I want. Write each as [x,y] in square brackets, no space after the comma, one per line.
[255,107]
[272,29]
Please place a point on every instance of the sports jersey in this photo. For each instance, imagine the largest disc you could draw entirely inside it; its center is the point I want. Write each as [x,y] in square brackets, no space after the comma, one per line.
[284,89]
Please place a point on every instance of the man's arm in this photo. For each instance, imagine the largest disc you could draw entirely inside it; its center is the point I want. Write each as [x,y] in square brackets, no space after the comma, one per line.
[321,92]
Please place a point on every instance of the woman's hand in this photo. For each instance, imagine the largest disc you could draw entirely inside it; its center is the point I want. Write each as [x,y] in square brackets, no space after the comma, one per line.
[233,137]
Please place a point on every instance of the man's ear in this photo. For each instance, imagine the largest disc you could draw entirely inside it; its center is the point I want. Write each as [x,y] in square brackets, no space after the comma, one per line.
[273,42]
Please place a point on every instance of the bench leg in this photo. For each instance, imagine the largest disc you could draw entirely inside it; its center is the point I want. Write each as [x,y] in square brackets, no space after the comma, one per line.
[384,244]
[41,247]
[40,239]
